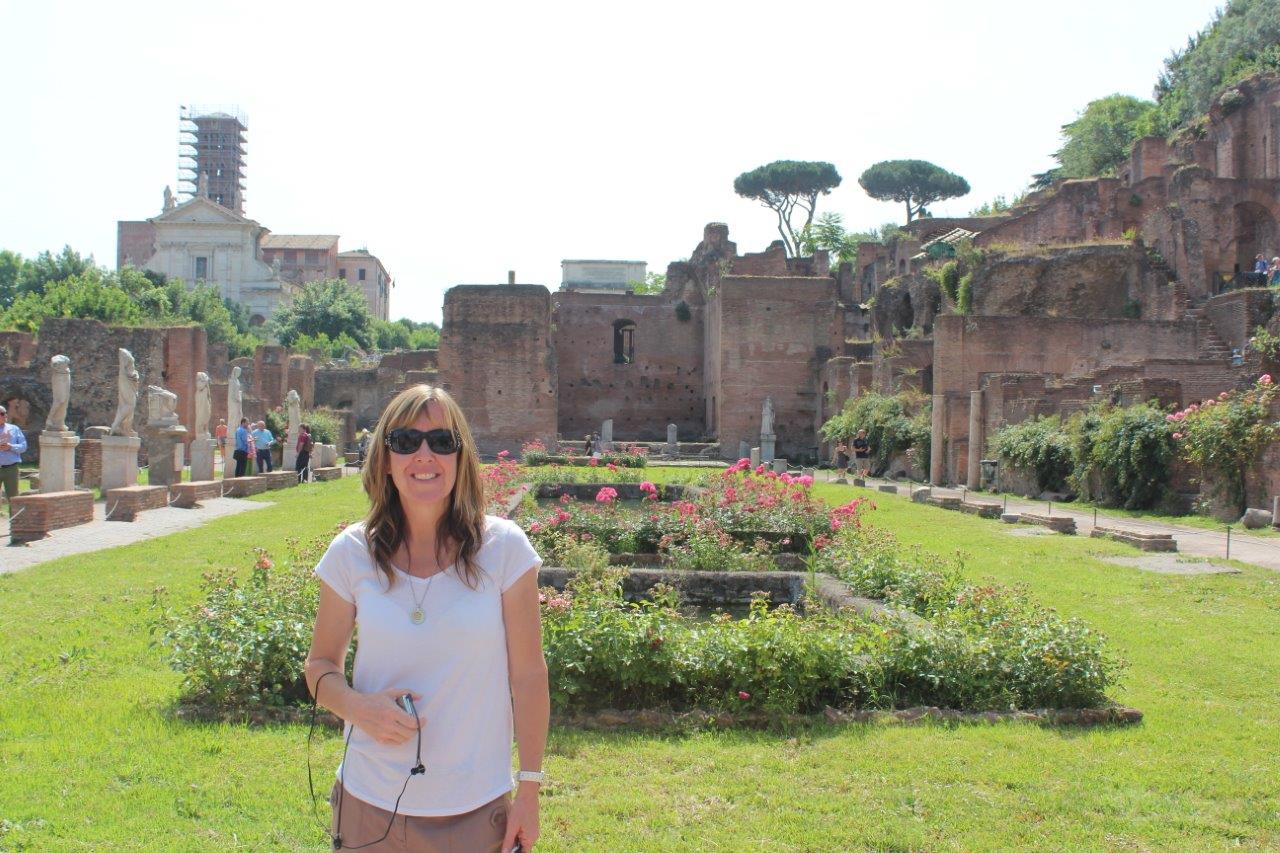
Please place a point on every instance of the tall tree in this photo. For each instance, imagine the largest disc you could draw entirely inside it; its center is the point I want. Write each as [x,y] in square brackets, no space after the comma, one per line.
[784,185]
[10,269]
[47,267]
[828,232]
[1098,142]
[918,183]
[330,307]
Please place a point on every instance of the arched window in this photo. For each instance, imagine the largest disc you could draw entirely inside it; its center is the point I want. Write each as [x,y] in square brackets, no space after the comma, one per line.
[624,343]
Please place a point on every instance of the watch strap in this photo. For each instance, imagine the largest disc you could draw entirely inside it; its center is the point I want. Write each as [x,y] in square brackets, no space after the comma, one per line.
[531,776]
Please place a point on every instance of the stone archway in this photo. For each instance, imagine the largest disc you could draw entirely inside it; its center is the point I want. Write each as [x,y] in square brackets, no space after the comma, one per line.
[1254,232]
[28,401]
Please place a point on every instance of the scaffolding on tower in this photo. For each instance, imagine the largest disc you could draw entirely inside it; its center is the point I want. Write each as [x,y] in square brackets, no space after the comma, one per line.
[211,143]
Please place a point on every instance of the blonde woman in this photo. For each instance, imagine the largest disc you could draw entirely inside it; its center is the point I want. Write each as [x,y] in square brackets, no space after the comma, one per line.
[446,602]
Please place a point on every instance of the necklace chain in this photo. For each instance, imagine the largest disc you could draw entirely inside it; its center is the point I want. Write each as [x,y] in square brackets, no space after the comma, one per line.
[418,616]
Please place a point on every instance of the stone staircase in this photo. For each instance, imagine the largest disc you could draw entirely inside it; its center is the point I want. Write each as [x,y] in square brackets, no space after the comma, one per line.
[1211,346]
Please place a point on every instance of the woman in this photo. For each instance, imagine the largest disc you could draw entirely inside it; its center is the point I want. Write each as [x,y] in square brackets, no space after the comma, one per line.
[303,452]
[446,600]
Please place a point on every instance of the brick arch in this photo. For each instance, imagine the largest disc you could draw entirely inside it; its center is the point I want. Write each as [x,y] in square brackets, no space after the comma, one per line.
[34,393]
[1254,230]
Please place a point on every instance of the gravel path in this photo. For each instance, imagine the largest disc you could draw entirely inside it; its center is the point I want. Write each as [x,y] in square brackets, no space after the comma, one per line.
[100,533]
[1198,541]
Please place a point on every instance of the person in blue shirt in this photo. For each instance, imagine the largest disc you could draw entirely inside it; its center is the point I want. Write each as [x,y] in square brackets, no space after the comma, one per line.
[12,445]
[244,439]
[262,440]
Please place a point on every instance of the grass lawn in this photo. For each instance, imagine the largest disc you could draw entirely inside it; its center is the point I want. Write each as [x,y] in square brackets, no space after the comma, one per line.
[90,757]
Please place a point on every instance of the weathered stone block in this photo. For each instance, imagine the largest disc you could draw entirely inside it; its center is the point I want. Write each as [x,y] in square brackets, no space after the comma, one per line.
[189,495]
[124,503]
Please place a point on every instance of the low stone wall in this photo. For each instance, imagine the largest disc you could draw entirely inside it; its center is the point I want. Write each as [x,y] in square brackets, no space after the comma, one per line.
[1143,541]
[189,495]
[124,503]
[243,487]
[980,509]
[89,461]
[322,475]
[35,515]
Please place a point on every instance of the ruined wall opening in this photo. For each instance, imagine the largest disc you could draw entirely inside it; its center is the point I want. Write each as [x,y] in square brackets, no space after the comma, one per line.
[1255,233]
[28,402]
[624,341]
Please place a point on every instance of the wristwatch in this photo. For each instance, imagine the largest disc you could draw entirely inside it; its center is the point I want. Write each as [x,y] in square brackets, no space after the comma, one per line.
[531,776]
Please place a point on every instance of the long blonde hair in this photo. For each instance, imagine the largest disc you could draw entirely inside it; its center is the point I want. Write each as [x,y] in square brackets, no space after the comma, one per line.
[462,526]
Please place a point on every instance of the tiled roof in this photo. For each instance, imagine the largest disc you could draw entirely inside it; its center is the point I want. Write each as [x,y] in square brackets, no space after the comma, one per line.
[299,241]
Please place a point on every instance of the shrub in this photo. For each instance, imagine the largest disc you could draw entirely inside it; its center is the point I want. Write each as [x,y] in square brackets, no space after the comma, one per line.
[890,428]
[683,314]
[964,294]
[1126,452]
[1225,436]
[246,643]
[1040,445]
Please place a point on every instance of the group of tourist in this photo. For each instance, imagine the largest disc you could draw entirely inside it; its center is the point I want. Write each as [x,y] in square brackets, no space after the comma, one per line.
[861,449]
[254,441]
[1265,273]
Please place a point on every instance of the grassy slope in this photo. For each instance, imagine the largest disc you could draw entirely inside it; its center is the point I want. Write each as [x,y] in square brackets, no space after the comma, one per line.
[89,757]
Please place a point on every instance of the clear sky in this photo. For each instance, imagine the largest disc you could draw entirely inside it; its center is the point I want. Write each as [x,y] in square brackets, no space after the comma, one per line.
[458,141]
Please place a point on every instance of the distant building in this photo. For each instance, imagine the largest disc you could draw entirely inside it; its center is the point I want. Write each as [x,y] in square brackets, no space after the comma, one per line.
[600,275]
[365,272]
[202,241]
[302,257]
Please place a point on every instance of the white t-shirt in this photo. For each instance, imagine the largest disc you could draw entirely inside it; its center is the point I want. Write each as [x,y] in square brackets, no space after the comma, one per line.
[457,661]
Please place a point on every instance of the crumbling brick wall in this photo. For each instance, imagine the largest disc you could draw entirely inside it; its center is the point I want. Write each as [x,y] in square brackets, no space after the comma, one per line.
[496,359]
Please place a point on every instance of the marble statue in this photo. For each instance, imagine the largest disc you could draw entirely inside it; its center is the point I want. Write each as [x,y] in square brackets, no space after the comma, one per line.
[60,381]
[202,185]
[204,406]
[766,417]
[168,199]
[295,411]
[126,395]
[235,399]
[162,406]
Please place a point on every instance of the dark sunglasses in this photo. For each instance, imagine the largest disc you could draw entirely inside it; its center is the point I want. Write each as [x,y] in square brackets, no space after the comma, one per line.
[441,441]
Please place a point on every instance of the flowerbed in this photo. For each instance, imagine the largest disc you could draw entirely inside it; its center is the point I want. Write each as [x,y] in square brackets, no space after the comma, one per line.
[535,454]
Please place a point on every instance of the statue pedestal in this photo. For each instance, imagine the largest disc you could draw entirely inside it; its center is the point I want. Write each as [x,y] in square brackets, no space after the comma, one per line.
[766,447]
[755,458]
[119,461]
[291,449]
[162,449]
[58,461]
[202,459]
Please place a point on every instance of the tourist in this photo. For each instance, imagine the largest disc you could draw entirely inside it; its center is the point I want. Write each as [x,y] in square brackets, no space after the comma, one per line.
[1273,277]
[303,466]
[12,445]
[363,446]
[586,444]
[220,435]
[244,438]
[862,453]
[262,441]
[445,600]
[1260,269]
[842,459]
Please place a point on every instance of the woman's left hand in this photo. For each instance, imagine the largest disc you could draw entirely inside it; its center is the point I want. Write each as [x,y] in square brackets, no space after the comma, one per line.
[522,820]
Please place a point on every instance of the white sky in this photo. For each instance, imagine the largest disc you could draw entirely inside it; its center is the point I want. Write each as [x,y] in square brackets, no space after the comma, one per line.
[458,141]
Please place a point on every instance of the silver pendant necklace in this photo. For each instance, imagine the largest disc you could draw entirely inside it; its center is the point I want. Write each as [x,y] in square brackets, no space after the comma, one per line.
[418,616]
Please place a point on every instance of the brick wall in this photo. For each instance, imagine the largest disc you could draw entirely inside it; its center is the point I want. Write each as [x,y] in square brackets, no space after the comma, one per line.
[124,503]
[496,360]
[663,383]
[35,515]
[89,462]
[774,336]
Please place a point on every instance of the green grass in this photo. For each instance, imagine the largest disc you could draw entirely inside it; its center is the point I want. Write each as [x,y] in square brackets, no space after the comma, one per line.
[90,757]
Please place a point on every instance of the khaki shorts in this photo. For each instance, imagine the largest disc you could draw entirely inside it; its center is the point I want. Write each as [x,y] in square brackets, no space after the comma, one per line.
[9,480]
[480,830]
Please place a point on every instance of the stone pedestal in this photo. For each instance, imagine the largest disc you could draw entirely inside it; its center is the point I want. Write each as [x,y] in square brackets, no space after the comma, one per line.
[779,465]
[755,457]
[291,449]
[744,450]
[119,461]
[673,440]
[202,458]
[767,442]
[58,461]
[161,453]
[606,435]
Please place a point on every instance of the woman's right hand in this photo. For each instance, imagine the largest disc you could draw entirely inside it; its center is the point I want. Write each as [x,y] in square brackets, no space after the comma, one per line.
[382,718]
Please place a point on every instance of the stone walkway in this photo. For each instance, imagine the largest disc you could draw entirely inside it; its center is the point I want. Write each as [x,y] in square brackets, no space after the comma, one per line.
[1192,541]
[100,533]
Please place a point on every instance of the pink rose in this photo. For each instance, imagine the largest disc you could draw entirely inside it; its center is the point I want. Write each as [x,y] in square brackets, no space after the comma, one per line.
[1265,379]
[744,695]
[1170,418]
[1177,436]
[1222,396]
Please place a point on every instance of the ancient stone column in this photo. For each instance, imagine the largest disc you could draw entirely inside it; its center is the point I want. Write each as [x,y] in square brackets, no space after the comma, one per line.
[606,435]
[973,478]
[673,443]
[937,441]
